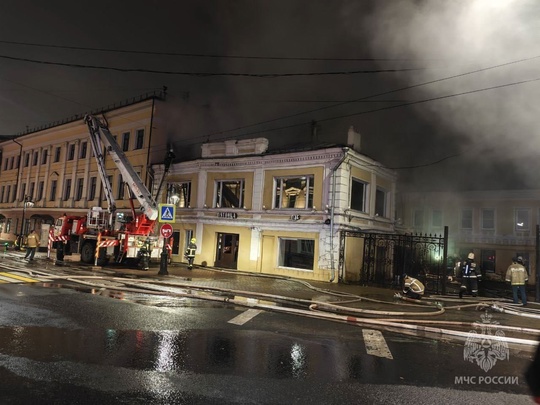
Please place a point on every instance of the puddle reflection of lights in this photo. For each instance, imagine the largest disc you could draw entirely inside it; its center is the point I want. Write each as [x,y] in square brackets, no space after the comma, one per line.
[111,338]
[166,351]
[298,359]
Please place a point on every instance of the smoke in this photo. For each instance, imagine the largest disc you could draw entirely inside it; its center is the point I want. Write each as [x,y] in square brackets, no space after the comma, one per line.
[493,131]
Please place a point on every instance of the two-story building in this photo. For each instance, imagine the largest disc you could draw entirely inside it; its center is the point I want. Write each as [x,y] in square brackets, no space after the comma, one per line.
[279,212]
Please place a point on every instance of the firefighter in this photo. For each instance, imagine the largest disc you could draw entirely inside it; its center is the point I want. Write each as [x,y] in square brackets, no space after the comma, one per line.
[143,254]
[516,275]
[470,276]
[190,252]
[412,287]
[32,243]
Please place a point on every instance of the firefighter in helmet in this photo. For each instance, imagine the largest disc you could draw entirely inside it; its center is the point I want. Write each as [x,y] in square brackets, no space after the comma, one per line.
[190,252]
[412,287]
[470,276]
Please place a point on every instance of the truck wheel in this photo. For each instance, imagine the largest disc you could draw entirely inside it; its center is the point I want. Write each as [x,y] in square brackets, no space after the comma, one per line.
[88,253]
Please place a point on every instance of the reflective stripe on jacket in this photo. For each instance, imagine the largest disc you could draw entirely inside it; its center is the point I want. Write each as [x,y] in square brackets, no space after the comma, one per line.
[516,274]
[414,285]
[191,249]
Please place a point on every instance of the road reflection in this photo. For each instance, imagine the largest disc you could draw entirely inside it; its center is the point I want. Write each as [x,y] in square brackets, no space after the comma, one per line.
[236,352]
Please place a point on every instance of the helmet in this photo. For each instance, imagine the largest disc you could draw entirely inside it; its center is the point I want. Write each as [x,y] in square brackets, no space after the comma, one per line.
[471,256]
[193,240]
[519,259]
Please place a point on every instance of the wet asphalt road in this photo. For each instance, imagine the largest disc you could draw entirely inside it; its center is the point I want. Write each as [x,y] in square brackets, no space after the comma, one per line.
[66,343]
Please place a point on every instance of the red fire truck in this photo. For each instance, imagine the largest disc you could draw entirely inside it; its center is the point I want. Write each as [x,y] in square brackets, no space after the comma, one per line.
[104,235]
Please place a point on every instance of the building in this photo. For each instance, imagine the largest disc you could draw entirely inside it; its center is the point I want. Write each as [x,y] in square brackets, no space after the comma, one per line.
[278,212]
[51,170]
[495,225]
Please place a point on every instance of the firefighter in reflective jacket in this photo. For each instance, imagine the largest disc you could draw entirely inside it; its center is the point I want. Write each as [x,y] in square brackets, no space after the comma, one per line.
[190,252]
[412,287]
[470,276]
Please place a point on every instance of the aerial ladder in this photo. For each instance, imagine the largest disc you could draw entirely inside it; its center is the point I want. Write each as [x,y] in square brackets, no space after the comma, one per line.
[101,234]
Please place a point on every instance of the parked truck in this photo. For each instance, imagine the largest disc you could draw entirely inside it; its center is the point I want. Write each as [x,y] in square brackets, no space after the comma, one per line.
[104,235]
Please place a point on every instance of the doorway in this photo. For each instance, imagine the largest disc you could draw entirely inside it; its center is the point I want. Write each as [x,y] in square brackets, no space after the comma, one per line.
[227,250]
[175,243]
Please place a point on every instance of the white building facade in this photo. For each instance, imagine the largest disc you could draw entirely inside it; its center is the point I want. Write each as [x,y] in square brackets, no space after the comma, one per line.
[278,213]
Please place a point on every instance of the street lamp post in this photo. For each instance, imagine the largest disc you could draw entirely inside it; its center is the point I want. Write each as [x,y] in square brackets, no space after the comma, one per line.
[172,198]
[27,203]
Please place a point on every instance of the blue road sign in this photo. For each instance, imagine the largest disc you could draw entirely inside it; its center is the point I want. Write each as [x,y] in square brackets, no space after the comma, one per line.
[167,213]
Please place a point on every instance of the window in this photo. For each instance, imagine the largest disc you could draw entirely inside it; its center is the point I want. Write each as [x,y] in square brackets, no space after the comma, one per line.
[229,194]
[41,187]
[79,192]
[487,261]
[183,191]
[36,156]
[8,225]
[121,187]
[11,162]
[297,253]
[57,153]
[84,150]
[293,192]
[8,192]
[26,159]
[139,142]
[466,219]
[380,202]
[6,163]
[358,195]
[71,153]
[31,191]
[22,191]
[125,141]
[418,219]
[44,157]
[436,219]
[67,190]
[2,193]
[54,186]
[488,218]
[17,162]
[522,219]
[92,189]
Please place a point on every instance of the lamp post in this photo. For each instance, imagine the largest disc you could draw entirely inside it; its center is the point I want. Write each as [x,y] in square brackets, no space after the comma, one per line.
[27,203]
[172,198]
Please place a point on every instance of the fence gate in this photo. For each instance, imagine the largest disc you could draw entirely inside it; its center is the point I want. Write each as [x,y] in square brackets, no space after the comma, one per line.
[380,259]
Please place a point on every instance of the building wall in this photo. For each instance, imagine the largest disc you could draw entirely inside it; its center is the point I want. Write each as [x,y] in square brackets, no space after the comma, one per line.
[494,219]
[277,239]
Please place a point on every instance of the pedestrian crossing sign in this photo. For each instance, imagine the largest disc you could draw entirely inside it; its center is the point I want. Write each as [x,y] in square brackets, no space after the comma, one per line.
[167,213]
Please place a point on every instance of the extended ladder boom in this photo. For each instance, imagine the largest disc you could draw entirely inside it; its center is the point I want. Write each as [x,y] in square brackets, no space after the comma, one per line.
[100,135]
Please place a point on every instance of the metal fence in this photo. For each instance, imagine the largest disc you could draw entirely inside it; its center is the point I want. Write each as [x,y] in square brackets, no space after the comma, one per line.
[384,258]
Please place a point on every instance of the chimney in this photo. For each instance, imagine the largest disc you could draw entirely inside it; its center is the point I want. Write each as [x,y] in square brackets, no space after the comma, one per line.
[353,139]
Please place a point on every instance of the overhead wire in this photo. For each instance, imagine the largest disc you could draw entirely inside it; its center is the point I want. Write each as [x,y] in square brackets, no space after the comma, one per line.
[202,55]
[206,74]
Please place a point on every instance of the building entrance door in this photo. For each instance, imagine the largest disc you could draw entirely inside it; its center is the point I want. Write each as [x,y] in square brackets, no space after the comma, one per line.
[227,250]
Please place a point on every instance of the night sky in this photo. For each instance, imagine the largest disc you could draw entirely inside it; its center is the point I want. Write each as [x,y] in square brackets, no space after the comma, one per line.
[444,92]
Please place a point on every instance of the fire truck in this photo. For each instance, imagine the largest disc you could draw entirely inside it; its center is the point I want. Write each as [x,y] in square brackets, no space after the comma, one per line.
[105,235]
